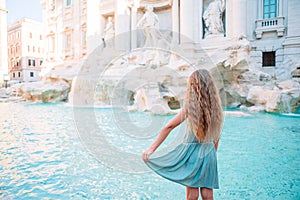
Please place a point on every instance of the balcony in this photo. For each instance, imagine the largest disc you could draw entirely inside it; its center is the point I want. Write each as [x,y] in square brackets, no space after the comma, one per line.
[270,25]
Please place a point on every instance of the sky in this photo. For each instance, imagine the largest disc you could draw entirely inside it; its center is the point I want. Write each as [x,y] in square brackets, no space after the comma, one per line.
[18,9]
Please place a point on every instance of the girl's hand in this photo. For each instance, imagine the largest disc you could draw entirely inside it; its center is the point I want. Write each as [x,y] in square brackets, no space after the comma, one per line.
[146,155]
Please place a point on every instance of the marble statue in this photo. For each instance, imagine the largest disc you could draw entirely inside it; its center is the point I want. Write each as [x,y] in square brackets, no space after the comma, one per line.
[212,17]
[150,25]
[109,31]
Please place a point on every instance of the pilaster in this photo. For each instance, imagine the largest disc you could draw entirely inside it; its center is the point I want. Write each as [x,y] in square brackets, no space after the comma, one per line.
[93,25]
[187,21]
[236,13]
[122,25]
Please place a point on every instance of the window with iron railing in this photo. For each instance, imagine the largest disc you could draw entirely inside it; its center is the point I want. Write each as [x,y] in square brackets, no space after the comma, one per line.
[31,62]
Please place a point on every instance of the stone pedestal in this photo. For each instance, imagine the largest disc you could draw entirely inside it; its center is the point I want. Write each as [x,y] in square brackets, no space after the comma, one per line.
[211,50]
[214,42]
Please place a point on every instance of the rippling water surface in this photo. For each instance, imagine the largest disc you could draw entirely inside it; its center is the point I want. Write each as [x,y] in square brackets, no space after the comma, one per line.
[42,157]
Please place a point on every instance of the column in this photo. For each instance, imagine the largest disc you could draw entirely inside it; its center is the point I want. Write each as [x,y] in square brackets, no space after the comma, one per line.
[175,21]
[45,30]
[122,25]
[93,25]
[198,27]
[293,19]
[200,10]
[76,32]
[236,18]
[280,8]
[59,38]
[133,27]
[229,15]
[3,41]
[242,17]
[187,21]
[260,9]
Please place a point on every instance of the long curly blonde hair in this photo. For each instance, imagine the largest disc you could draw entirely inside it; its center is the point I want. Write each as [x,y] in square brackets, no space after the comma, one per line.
[203,107]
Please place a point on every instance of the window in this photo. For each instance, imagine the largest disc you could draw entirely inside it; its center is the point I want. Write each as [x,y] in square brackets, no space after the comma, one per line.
[52,5]
[69,2]
[269,59]
[51,43]
[68,40]
[19,63]
[18,48]
[41,62]
[18,35]
[83,11]
[270,7]
[19,74]
[39,50]
[28,48]
[83,38]
[31,74]
[30,35]
[41,37]
[83,35]
[33,49]
[14,75]
[31,62]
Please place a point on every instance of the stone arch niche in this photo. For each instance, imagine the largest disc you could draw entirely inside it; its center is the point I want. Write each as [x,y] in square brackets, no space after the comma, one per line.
[210,24]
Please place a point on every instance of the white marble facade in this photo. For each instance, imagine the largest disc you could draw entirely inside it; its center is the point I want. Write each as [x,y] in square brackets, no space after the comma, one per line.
[74,28]
[65,25]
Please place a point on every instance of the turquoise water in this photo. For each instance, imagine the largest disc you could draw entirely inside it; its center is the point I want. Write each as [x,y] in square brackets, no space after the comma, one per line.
[42,157]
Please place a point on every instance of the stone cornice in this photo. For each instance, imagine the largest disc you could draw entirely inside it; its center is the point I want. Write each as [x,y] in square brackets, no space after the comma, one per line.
[156,4]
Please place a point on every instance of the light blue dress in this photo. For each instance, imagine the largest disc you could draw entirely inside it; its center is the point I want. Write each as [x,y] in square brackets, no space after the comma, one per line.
[191,164]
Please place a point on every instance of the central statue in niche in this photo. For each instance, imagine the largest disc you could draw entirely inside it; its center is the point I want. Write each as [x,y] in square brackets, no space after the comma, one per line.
[109,32]
[213,19]
[150,25]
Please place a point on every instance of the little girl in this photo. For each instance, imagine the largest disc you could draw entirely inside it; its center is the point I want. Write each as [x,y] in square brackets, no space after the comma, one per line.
[194,162]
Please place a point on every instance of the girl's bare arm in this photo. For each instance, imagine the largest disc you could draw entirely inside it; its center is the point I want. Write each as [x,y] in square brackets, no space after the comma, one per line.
[178,119]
